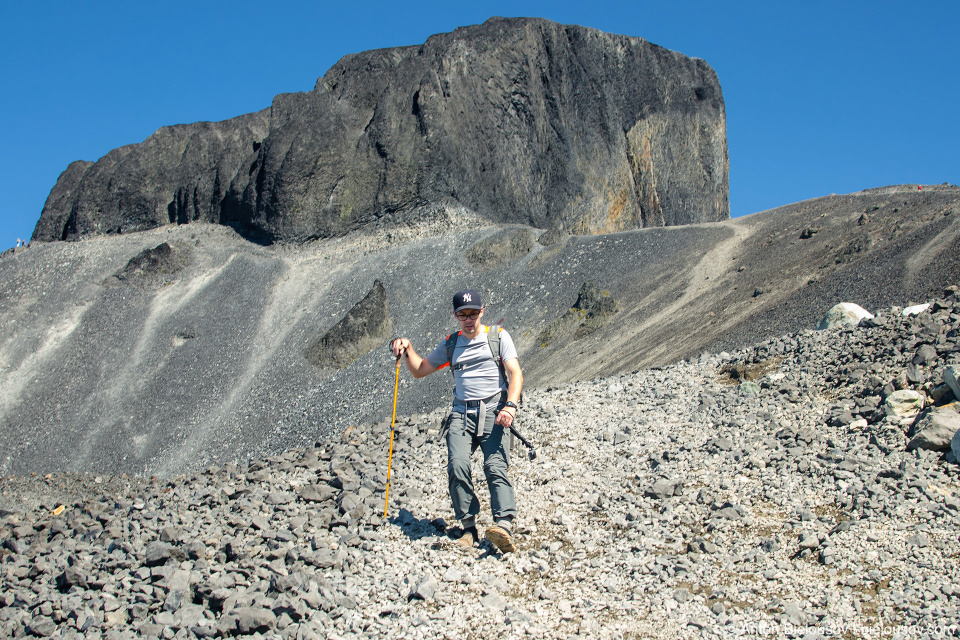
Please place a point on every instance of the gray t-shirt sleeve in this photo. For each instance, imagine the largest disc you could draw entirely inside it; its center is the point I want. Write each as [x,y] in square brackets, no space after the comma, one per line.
[438,357]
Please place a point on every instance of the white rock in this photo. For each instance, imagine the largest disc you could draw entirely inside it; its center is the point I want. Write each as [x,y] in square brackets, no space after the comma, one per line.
[915,310]
[845,314]
[114,618]
[452,575]
[905,403]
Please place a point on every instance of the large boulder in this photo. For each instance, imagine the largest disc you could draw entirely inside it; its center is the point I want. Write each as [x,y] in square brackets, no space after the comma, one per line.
[592,310]
[904,403]
[915,310]
[935,430]
[951,375]
[519,120]
[845,314]
[366,326]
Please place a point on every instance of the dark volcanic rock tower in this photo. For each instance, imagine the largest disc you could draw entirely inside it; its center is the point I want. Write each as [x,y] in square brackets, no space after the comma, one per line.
[520,120]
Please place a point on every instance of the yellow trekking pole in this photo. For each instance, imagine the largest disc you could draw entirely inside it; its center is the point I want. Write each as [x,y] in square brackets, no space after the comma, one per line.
[393,421]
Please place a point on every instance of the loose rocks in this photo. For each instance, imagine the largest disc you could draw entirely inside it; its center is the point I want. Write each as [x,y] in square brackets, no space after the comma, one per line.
[662,504]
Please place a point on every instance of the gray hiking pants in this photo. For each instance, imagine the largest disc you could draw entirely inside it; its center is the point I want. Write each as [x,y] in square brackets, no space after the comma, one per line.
[462,441]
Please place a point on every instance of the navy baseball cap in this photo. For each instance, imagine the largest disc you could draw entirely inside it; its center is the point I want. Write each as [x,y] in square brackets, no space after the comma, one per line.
[466,299]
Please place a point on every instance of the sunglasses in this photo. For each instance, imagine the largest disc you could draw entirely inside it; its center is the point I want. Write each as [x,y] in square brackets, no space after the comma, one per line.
[468,315]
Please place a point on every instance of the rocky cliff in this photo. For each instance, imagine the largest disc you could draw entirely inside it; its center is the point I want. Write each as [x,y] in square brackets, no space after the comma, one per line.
[518,120]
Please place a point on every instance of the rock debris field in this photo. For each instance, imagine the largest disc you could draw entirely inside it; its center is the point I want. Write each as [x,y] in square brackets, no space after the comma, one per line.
[803,487]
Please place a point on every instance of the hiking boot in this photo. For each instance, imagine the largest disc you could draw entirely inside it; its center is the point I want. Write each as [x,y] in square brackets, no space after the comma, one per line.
[468,537]
[501,538]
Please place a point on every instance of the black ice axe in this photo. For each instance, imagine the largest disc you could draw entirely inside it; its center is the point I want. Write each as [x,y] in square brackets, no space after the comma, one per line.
[531,451]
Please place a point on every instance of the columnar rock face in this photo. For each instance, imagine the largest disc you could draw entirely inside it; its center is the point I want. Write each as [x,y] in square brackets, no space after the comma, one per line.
[519,120]
[179,174]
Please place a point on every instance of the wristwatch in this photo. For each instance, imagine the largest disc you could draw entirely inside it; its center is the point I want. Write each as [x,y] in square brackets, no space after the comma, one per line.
[510,403]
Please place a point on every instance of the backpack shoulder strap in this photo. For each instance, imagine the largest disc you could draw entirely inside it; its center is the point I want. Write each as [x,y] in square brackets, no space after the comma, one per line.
[451,344]
[493,338]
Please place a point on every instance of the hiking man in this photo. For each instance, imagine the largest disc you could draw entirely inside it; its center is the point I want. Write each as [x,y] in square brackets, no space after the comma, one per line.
[486,393]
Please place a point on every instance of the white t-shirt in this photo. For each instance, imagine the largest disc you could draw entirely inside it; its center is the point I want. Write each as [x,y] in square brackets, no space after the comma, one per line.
[477,376]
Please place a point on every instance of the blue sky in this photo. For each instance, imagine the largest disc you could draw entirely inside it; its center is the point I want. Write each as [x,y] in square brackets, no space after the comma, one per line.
[821,97]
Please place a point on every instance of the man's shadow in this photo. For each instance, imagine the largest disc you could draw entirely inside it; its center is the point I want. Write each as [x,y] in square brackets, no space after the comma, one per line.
[418,528]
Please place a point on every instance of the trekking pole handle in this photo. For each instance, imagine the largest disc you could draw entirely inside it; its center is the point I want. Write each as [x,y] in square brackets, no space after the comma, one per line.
[395,346]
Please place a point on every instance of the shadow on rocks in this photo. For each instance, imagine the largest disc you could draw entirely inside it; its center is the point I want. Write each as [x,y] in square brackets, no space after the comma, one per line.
[418,528]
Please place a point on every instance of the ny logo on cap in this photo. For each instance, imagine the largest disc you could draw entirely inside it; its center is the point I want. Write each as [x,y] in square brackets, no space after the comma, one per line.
[467,298]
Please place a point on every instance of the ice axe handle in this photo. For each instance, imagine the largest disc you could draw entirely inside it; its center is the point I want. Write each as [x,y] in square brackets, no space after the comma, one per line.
[530,450]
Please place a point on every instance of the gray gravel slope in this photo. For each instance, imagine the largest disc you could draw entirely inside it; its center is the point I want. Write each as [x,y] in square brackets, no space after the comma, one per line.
[107,367]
